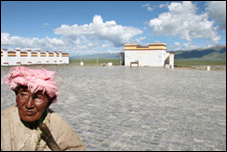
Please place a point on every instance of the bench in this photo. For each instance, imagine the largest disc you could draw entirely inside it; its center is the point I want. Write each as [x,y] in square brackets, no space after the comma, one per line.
[131,63]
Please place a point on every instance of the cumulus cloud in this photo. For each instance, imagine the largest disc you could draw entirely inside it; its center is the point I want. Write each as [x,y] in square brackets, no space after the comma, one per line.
[185,46]
[217,11]
[79,39]
[148,6]
[182,21]
[163,5]
[21,42]
[4,38]
[177,44]
[98,29]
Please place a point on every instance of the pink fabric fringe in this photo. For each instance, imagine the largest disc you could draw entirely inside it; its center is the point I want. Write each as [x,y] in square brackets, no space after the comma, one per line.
[34,79]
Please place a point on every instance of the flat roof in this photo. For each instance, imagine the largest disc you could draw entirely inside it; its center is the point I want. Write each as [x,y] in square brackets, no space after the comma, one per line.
[152,46]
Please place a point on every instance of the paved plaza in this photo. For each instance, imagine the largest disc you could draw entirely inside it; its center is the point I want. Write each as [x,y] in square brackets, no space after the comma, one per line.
[121,108]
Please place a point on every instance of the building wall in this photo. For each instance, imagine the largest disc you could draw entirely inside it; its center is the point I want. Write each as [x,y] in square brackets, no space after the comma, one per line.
[27,58]
[145,57]
[152,55]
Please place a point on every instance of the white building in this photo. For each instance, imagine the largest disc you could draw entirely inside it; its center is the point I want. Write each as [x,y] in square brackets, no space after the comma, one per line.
[28,57]
[154,55]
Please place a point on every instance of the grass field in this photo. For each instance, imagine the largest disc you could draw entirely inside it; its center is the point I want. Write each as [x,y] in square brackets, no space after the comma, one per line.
[180,62]
[177,62]
[95,61]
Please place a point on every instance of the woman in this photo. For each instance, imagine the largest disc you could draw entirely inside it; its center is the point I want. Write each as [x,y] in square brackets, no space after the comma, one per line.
[31,125]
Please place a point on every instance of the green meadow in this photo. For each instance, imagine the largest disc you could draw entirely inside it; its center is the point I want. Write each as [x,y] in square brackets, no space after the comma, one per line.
[177,62]
[183,62]
[95,61]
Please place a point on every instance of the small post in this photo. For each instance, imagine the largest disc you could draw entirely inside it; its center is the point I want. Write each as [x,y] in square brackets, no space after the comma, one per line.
[97,61]
[110,64]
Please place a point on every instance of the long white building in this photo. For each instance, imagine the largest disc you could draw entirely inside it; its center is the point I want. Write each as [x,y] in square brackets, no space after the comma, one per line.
[154,55]
[28,57]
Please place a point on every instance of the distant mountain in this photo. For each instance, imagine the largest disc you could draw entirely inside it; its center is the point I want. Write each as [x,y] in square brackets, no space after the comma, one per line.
[98,55]
[213,53]
[217,53]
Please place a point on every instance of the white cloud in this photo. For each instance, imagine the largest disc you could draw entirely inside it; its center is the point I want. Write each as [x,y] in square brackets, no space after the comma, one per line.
[105,45]
[45,24]
[217,11]
[139,40]
[174,47]
[182,21]
[163,5]
[109,30]
[148,6]
[177,44]
[186,45]
[32,43]
[80,39]
[4,38]
[114,51]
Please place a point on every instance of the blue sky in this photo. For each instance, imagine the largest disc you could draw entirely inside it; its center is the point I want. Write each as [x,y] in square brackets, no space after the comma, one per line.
[86,27]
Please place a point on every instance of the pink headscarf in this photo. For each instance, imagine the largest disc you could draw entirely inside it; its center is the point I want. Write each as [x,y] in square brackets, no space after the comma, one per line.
[34,79]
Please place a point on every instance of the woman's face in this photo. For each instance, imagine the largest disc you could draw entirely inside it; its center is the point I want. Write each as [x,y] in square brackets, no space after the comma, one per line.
[31,106]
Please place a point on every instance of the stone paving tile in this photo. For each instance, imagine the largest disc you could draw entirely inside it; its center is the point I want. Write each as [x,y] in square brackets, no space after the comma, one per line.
[147,109]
